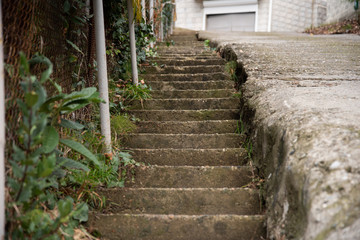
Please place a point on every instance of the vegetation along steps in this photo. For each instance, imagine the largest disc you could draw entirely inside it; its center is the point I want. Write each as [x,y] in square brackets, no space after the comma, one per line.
[196,181]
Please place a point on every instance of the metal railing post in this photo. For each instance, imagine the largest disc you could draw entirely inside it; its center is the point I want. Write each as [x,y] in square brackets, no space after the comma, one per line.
[2,133]
[102,72]
[135,78]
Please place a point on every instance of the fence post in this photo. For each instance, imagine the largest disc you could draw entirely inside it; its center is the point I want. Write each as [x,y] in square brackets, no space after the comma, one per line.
[151,18]
[102,72]
[2,133]
[132,42]
[143,10]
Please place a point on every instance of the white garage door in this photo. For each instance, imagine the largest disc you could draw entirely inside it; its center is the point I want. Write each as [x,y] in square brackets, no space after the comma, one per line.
[243,22]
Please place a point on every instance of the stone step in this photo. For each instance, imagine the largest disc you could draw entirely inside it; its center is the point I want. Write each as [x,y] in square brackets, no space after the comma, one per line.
[186,115]
[188,127]
[217,93]
[184,69]
[181,43]
[189,201]
[187,104]
[191,85]
[189,62]
[189,54]
[211,93]
[178,141]
[191,157]
[190,177]
[189,57]
[186,76]
[178,227]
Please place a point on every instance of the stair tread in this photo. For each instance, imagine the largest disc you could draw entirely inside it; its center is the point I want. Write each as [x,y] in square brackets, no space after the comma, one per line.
[242,201]
[191,176]
[156,226]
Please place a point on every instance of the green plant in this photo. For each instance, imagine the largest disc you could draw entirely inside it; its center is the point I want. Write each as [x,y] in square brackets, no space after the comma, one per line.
[240,127]
[124,92]
[33,211]
[230,68]
[207,43]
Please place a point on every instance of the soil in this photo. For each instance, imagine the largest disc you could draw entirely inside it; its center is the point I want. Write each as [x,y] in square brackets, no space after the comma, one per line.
[349,26]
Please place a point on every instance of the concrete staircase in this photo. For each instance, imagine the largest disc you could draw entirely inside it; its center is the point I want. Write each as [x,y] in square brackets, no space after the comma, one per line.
[194,186]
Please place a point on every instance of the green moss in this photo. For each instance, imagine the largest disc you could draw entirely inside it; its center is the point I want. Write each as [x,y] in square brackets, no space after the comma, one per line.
[122,125]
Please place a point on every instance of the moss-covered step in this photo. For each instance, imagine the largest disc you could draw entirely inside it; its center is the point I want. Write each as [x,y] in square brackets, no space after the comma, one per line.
[191,85]
[177,141]
[190,201]
[164,69]
[217,93]
[178,227]
[185,115]
[186,76]
[191,157]
[188,127]
[188,62]
[187,104]
[190,177]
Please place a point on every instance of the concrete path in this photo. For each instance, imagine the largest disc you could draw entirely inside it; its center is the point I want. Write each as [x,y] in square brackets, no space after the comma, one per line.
[302,101]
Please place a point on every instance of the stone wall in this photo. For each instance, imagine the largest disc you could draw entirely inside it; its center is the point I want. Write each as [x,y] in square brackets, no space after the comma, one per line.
[263,15]
[339,9]
[295,16]
[189,14]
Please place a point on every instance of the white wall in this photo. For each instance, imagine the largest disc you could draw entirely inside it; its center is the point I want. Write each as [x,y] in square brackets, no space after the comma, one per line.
[189,14]
[296,16]
[263,15]
[339,9]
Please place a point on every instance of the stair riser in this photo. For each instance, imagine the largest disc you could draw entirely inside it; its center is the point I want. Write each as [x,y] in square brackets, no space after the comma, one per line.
[180,62]
[180,127]
[219,93]
[182,201]
[186,115]
[203,227]
[187,77]
[184,69]
[178,141]
[190,177]
[191,157]
[187,104]
[191,85]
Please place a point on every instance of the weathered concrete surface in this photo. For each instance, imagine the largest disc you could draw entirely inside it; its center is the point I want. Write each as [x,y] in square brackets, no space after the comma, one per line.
[302,99]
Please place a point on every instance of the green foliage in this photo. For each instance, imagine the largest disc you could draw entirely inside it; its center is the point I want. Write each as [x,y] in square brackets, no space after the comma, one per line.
[240,127]
[124,92]
[117,34]
[122,124]
[34,212]
[230,68]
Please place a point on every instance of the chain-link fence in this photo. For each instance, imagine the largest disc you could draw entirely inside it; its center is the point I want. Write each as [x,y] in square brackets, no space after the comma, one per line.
[63,31]
[60,30]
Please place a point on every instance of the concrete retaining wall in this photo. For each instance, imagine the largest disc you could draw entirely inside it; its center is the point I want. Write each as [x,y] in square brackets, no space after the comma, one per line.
[339,9]
[189,14]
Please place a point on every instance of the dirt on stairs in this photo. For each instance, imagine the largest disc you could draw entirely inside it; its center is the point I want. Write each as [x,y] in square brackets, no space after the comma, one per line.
[193,187]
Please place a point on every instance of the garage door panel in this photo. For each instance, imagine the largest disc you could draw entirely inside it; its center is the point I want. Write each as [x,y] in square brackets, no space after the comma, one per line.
[231,22]
[219,22]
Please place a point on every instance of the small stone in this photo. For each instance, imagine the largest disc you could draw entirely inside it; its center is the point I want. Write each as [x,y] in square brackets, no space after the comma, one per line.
[335,165]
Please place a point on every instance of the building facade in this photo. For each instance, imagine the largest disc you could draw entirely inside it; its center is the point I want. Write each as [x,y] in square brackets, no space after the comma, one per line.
[259,15]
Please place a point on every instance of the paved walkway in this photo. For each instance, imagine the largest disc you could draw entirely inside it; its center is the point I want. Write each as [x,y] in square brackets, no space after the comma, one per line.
[304,93]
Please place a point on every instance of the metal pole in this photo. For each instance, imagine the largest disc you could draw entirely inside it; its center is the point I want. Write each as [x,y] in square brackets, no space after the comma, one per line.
[132,43]
[161,25]
[151,18]
[102,72]
[2,133]
[270,15]
[143,10]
